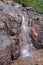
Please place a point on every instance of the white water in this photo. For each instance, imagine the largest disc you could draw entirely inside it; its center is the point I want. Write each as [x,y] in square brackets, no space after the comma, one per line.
[25,50]
[25,36]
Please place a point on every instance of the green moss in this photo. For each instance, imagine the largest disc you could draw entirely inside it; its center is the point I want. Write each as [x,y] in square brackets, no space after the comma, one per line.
[36,4]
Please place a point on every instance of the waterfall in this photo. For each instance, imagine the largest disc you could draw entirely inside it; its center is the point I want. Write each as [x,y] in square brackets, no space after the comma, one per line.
[25,37]
[24,30]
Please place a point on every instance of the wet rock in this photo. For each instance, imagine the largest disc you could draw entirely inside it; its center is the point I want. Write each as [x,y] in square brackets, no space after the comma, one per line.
[16,52]
[16,49]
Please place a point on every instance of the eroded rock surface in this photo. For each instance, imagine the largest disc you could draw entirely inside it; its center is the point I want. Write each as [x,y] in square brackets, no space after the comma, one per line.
[10,29]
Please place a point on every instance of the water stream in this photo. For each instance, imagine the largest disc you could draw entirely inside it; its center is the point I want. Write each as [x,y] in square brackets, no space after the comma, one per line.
[25,37]
[25,48]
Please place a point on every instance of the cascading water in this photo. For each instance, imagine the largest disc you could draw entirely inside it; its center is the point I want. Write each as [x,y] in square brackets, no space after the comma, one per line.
[25,48]
[25,38]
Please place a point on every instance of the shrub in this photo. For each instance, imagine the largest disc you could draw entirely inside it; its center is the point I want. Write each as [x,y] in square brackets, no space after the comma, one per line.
[36,4]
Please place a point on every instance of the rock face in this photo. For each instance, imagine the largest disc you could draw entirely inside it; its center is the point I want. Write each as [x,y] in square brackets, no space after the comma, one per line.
[40,31]
[38,41]
[5,53]
[10,29]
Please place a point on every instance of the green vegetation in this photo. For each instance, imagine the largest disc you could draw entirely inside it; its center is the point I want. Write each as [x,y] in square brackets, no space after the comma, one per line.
[36,4]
